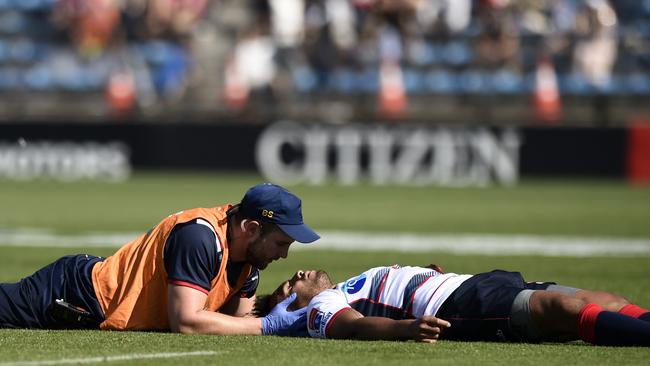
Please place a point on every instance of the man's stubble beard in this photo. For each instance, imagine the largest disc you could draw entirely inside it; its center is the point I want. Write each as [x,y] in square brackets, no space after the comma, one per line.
[252,255]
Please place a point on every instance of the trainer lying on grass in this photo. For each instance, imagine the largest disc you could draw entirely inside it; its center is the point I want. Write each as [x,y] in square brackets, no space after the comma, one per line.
[426,304]
[194,272]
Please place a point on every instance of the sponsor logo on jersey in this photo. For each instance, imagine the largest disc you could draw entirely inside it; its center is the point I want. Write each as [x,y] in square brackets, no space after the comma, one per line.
[354,285]
[315,318]
[317,322]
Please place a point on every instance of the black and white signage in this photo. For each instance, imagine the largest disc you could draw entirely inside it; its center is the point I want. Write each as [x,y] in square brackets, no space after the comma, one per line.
[64,161]
[291,153]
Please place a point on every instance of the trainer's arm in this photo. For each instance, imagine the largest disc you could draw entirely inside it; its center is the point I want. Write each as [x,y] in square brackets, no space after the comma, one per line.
[187,315]
[350,324]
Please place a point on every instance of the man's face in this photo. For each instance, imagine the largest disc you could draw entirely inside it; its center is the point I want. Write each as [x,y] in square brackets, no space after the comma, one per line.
[267,248]
[306,285]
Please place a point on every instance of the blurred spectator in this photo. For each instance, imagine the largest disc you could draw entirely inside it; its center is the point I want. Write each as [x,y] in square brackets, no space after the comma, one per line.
[596,26]
[92,23]
[173,18]
[498,42]
[200,54]
[287,22]
[251,69]
[452,15]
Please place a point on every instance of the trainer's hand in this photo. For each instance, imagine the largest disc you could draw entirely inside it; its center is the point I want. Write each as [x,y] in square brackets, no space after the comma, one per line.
[282,322]
[428,328]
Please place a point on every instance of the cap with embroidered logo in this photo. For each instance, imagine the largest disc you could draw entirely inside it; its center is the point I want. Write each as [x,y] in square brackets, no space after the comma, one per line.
[272,203]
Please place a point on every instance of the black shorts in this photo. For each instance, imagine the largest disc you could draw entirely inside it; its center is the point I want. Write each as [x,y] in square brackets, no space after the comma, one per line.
[27,303]
[480,309]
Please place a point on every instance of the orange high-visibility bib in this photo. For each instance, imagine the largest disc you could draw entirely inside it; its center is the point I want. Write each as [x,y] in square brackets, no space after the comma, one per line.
[131,285]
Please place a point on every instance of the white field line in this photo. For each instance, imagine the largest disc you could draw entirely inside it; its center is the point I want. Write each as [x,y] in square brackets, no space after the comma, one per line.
[29,237]
[488,244]
[126,357]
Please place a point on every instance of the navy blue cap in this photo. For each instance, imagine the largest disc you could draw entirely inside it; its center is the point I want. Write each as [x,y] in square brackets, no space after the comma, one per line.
[272,203]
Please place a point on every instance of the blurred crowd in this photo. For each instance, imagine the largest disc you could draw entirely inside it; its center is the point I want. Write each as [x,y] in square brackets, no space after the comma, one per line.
[142,55]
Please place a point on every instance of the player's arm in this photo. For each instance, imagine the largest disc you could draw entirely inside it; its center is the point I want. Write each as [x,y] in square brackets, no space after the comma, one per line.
[239,306]
[243,303]
[187,315]
[350,324]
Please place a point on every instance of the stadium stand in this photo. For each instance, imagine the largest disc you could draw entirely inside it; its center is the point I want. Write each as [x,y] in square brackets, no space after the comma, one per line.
[448,61]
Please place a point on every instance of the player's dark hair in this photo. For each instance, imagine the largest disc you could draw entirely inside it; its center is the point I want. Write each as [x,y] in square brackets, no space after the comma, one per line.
[262,305]
[435,267]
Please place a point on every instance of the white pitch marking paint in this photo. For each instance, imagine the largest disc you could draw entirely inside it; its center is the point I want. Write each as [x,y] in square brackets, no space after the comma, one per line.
[488,244]
[99,359]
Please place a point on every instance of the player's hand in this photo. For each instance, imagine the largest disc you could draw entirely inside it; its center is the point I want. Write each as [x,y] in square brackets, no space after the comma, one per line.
[428,328]
[283,322]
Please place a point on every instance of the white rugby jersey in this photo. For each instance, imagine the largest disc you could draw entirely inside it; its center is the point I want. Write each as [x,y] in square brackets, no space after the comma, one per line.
[392,292]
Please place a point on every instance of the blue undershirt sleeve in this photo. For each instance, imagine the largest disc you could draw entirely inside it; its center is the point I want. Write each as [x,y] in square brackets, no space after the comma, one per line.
[250,286]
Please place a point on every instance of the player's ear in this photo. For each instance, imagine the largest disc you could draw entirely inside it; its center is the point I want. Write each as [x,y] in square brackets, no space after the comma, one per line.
[252,228]
[242,225]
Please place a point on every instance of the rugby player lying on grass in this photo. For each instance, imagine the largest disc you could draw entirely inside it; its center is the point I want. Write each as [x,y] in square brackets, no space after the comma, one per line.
[426,304]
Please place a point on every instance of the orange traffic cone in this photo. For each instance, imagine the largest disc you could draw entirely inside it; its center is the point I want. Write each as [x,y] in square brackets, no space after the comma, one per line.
[236,89]
[548,107]
[120,93]
[392,96]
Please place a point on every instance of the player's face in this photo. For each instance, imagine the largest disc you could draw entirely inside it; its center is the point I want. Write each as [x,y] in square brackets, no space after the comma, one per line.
[267,248]
[306,285]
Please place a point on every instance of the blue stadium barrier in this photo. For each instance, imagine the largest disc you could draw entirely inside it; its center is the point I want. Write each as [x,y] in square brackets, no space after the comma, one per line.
[473,82]
[27,5]
[12,22]
[304,79]
[342,81]
[506,82]
[637,83]
[95,74]
[9,78]
[423,54]
[457,53]
[368,80]
[441,81]
[414,81]
[158,52]
[616,85]
[4,51]
[574,84]
[38,78]
[23,50]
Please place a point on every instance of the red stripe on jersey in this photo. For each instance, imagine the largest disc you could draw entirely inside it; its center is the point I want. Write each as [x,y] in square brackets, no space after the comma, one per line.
[410,309]
[187,284]
[381,287]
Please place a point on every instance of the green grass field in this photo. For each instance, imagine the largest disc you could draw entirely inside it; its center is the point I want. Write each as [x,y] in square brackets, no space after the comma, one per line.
[577,208]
